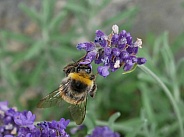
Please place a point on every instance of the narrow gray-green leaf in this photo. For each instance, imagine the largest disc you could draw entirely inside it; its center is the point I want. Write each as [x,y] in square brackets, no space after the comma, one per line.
[32,13]
[57,20]
[34,50]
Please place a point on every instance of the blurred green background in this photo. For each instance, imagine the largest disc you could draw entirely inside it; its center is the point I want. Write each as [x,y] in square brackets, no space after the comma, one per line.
[38,38]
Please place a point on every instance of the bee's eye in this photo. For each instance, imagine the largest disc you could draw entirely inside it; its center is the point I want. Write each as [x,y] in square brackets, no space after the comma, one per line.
[88,70]
[78,69]
[67,71]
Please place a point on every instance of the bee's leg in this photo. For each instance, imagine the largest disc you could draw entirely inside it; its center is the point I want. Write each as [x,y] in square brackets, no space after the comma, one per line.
[93,90]
[81,99]
[92,77]
[65,84]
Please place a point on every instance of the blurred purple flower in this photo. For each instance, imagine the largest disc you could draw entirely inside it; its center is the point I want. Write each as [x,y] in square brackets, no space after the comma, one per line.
[21,124]
[103,132]
[4,106]
[113,52]
[25,118]
[75,129]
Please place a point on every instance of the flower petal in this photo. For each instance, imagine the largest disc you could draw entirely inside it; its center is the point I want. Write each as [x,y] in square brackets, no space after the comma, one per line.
[103,71]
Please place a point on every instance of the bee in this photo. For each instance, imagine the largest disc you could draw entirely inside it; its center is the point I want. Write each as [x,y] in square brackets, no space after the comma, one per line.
[74,89]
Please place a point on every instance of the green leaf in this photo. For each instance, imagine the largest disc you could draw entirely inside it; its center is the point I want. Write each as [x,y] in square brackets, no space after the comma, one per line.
[148,79]
[47,11]
[32,13]
[55,22]
[119,17]
[146,102]
[35,76]
[156,50]
[34,50]
[104,4]
[89,122]
[3,42]
[8,75]
[168,56]
[16,36]
[178,43]
[180,71]
[113,118]
[64,38]
[76,7]
[169,95]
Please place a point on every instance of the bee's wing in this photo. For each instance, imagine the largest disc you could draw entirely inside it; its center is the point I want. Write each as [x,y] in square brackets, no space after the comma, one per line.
[55,97]
[78,112]
[52,99]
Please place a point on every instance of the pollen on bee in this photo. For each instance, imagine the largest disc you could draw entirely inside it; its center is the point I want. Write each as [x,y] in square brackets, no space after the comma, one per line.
[81,77]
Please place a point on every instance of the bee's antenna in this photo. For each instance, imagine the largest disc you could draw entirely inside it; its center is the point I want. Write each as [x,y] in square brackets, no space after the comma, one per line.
[74,61]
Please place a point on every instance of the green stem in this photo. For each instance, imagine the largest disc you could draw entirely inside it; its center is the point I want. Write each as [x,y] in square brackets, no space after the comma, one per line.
[168,93]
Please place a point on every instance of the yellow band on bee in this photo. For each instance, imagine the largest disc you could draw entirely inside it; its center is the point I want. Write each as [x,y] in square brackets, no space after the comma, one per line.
[81,77]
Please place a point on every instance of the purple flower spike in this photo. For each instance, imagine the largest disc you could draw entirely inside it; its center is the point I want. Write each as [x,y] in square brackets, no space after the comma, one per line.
[4,106]
[99,33]
[124,55]
[132,50]
[21,124]
[103,132]
[129,39]
[86,62]
[113,51]
[122,33]
[98,60]
[141,61]
[115,39]
[106,60]
[116,51]
[135,50]
[87,46]
[128,65]
[103,71]
[122,43]
[64,122]
[8,136]
[107,51]
[54,128]
[134,59]
[25,118]
[101,38]
[91,56]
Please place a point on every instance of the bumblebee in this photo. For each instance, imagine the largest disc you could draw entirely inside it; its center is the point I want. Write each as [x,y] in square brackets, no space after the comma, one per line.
[74,89]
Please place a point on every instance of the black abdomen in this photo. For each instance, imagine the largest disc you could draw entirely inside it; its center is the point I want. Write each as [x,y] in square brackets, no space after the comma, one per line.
[78,86]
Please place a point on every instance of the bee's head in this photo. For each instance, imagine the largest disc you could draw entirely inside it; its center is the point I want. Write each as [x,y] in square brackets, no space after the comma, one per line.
[83,68]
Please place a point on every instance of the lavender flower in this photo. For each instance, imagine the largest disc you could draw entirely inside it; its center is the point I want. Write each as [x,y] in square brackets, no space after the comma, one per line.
[114,51]
[21,124]
[25,118]
[103,132]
